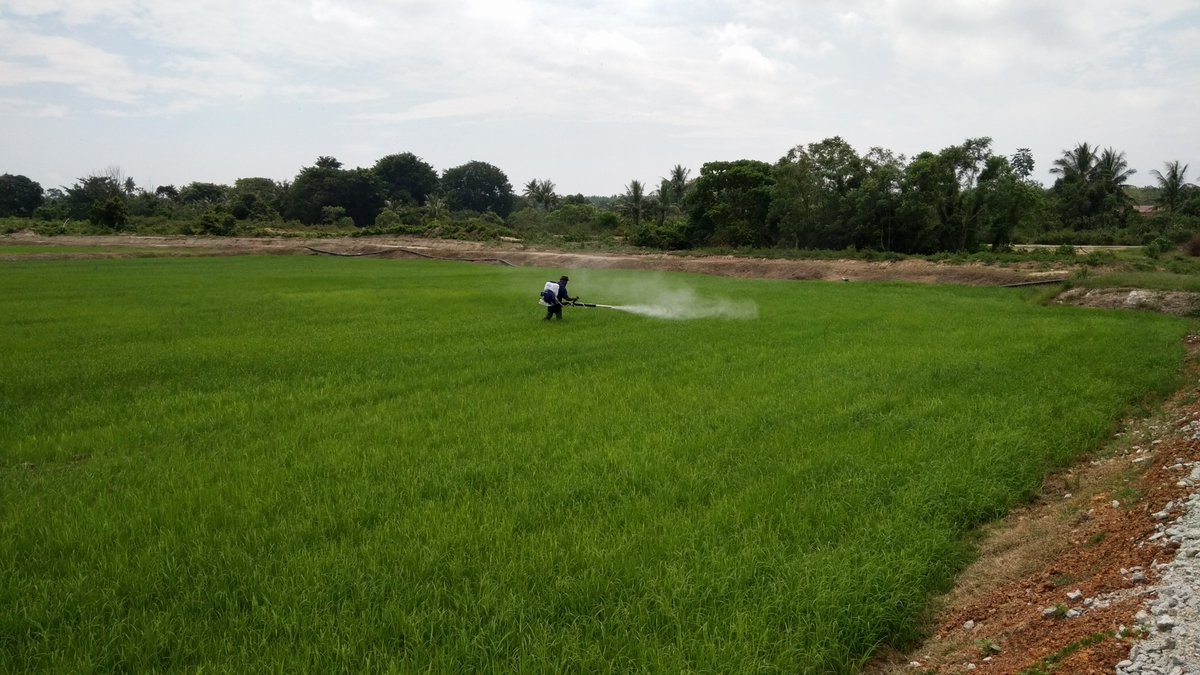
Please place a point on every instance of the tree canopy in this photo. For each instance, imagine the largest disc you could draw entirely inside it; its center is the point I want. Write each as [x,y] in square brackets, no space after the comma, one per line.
[478,186]
[19,196]
[406,178]
[819,195]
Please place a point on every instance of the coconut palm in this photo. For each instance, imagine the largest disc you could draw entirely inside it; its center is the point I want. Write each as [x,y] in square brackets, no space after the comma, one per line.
[633,203]
[678,182]
[1171,185]
[541,192]
[1077,163]
[436,208]
[1112,171]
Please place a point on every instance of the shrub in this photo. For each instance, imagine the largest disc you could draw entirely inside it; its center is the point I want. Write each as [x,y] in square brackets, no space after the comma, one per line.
[110,214]
[671,235]
[217,223]
[1159,246]
[1192,246]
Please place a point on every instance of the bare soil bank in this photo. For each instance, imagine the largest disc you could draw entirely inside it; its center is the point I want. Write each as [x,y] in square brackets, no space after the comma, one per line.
[920,271]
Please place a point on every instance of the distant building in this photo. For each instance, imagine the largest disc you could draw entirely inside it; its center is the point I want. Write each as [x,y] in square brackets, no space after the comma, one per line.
[1145,209]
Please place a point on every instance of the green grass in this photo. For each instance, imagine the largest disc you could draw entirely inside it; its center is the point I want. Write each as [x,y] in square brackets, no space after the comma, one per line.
[321,464]
[1162,281]
[25,249]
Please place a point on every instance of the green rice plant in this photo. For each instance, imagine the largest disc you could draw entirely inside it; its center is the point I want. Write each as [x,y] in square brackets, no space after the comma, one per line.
[327,464]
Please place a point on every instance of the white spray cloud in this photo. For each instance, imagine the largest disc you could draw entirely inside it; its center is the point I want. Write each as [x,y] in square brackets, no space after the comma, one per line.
[661,298]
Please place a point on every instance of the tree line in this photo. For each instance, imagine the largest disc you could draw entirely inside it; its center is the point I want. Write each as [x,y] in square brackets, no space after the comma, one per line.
[823,195]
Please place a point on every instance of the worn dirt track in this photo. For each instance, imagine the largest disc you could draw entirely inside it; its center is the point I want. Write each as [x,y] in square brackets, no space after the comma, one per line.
[1073,538]
[920,271]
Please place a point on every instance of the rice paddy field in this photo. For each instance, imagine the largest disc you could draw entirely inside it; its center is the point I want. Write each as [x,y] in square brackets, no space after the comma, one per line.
[314,464]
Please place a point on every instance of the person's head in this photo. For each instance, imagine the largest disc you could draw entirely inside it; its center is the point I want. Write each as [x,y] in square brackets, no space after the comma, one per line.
[563,279]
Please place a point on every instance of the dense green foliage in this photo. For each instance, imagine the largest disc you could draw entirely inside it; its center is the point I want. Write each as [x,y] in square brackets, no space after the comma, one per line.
[823,195]
[19,196]
[478,186]
[327,465]
[407,179]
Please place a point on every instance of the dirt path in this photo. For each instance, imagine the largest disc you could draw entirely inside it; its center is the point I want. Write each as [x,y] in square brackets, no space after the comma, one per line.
[920,271]
[1093,531]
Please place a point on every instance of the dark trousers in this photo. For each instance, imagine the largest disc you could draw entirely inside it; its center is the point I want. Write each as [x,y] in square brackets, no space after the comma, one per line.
[554,310]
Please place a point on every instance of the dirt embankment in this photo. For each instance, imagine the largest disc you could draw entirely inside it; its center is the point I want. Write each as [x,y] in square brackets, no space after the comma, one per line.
[920,271]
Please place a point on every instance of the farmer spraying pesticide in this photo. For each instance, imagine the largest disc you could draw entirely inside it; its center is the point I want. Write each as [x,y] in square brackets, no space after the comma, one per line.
[550,300]
[682,304]
[554,296]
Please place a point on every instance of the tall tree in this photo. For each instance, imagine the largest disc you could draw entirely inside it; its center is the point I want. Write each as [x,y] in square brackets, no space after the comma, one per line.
[812,193]
[478,186]
[633,202]
[946,197]
[92,193]
[873,207]
[19,196]
[541,193]
[359,192]
[1090,189]
[1022,163]
[676,184]
[1113,172]
[729,203]
[255,199]
[205,194]
[1171,184]
[1078,163]
[407,179]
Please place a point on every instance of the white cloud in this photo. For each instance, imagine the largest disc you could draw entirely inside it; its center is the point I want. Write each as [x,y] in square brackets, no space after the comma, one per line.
[711,77]
[610,43]
[31,58]
[326,11]
[25,108]
[746,58]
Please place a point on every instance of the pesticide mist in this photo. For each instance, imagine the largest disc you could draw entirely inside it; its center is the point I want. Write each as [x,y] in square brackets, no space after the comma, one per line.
[660,298]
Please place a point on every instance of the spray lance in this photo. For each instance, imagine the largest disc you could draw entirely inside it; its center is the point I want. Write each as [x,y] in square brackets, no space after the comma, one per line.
[576,303]
[552,286]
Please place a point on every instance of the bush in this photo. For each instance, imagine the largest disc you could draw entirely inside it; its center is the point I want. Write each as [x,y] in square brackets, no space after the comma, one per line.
[527,220]
[110,214]
[1192,246]
[217,223]
[671,235]
[1159,246]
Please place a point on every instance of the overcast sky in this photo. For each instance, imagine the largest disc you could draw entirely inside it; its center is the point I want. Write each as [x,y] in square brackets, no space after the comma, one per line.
[587,94]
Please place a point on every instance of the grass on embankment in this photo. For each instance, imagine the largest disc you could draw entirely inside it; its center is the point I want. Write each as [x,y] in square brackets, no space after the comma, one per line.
[1158,281]
[344,464]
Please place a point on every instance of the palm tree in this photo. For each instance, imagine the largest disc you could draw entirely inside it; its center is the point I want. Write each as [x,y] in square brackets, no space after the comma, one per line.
[436,208]
[541,192]
[634,202]
[1171,185]
[1112,171]
[678,180]
[1077,163]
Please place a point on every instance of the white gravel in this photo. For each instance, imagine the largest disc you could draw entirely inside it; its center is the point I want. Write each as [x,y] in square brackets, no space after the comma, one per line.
[1171,618]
